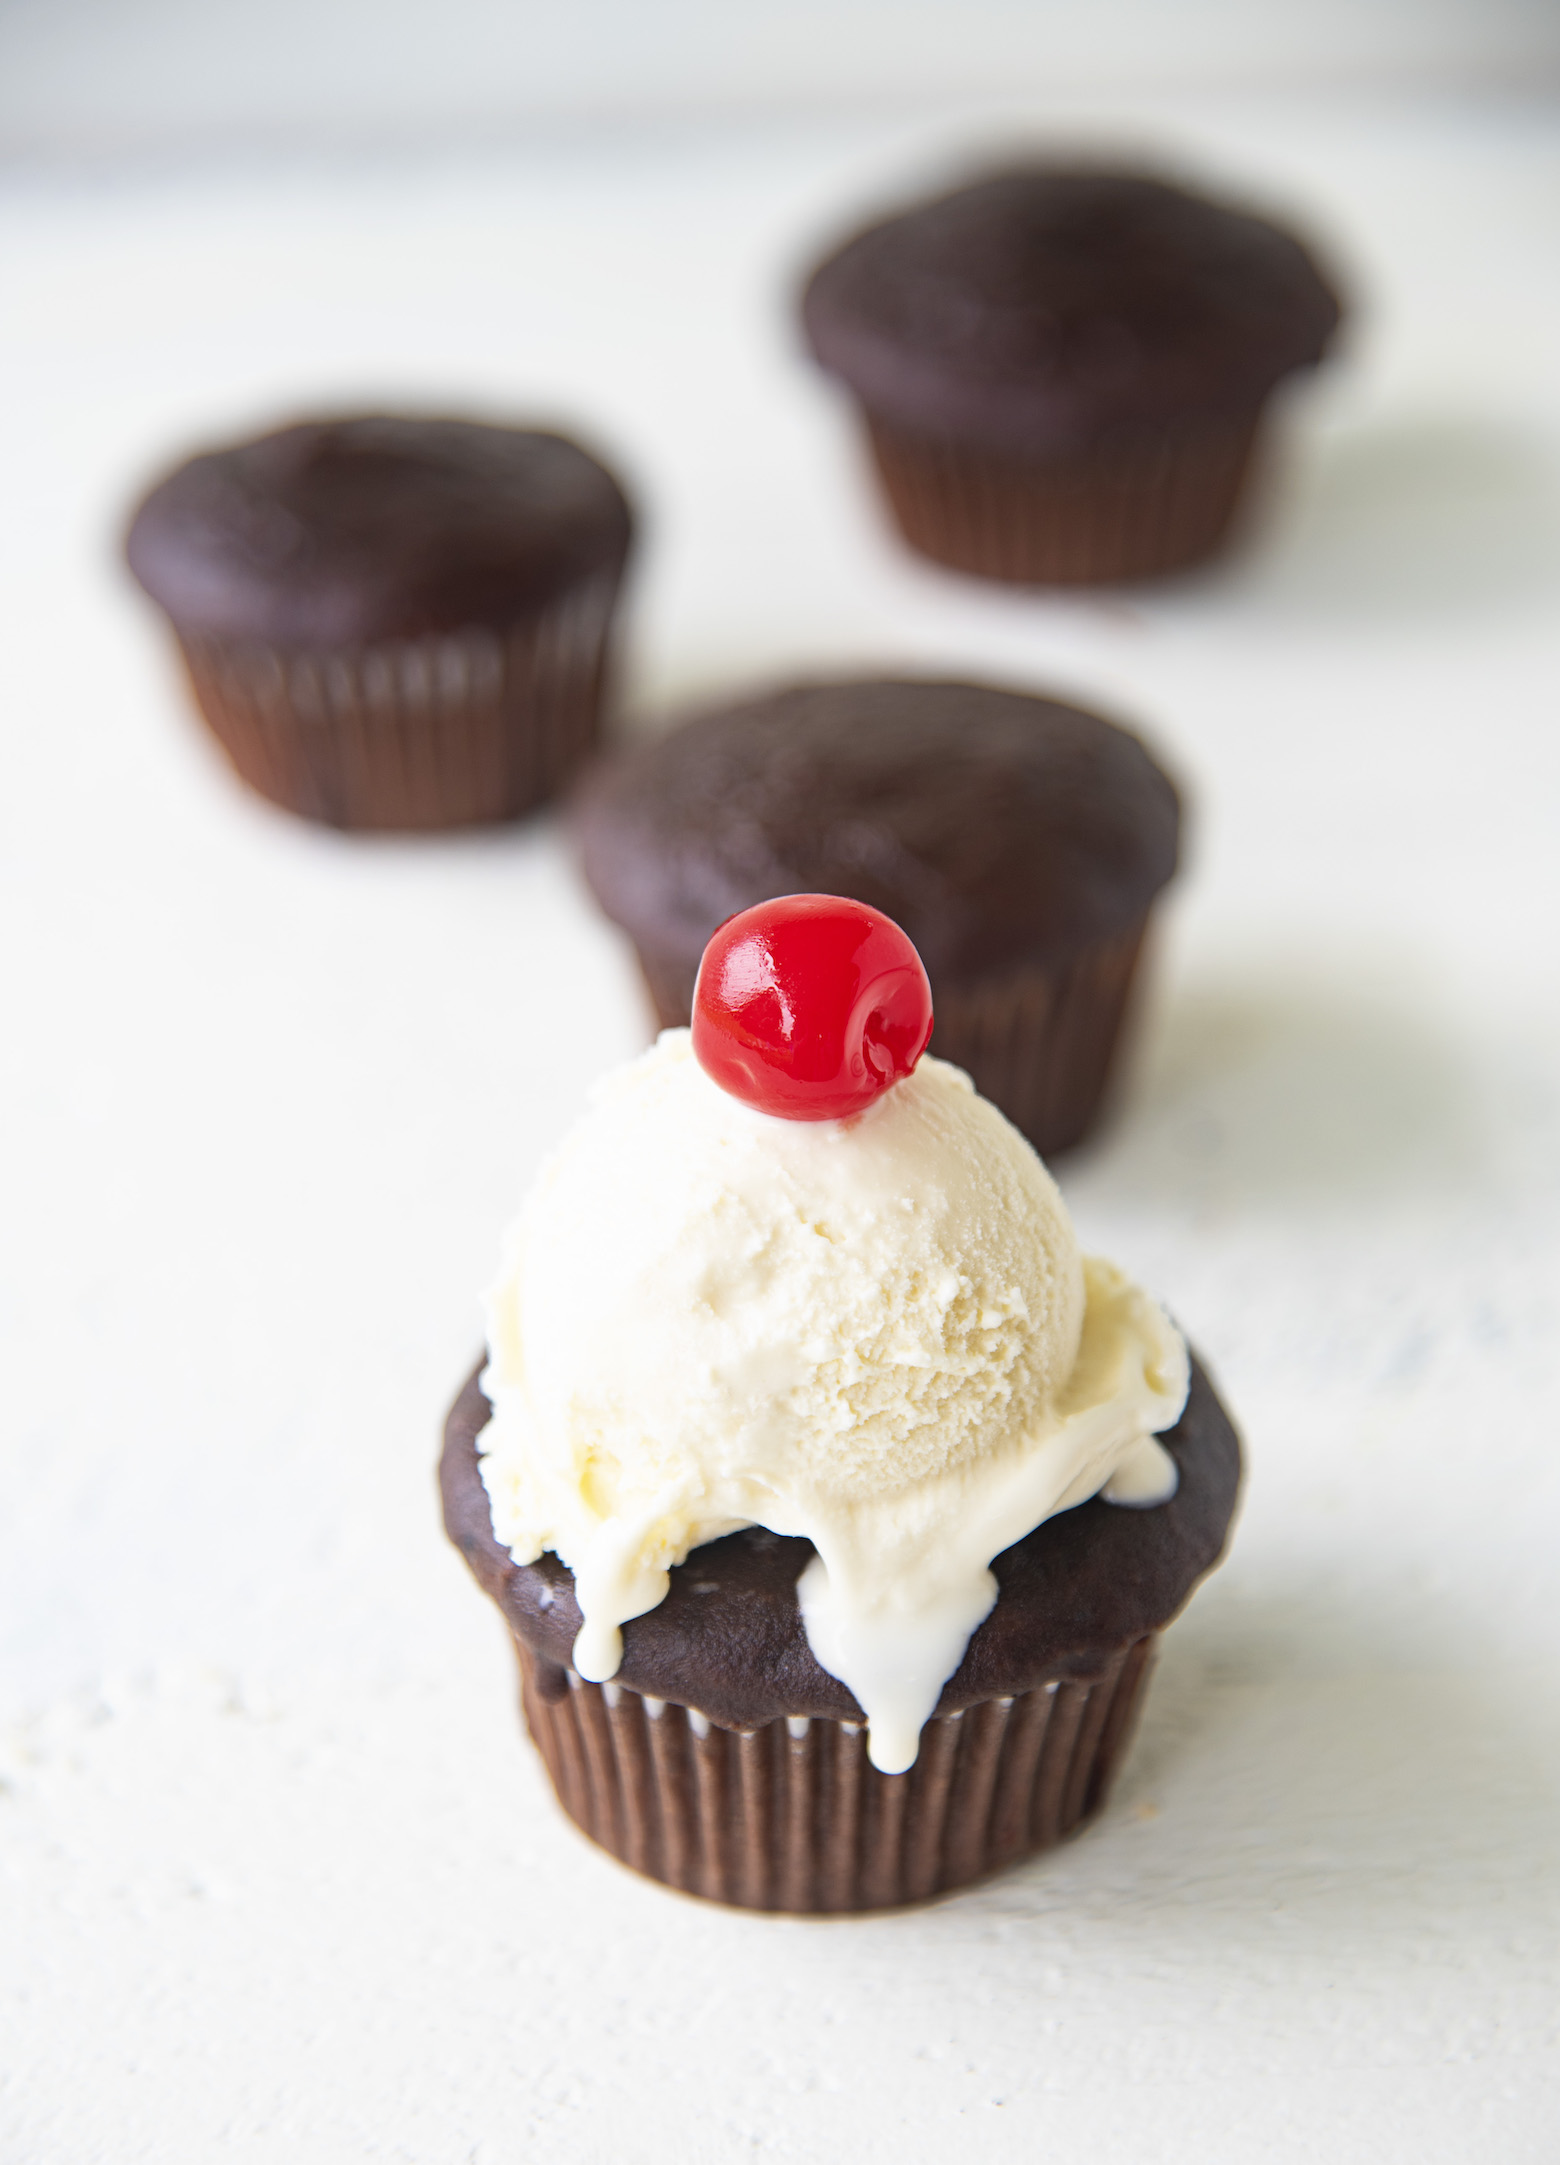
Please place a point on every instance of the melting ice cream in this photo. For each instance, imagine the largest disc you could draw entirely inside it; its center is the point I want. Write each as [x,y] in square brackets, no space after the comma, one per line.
[875,1332]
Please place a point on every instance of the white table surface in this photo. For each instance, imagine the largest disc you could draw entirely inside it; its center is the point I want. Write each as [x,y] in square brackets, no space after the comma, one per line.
[279,1877]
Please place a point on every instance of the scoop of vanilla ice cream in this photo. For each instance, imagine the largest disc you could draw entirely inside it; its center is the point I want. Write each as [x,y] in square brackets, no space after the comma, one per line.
[870,1331]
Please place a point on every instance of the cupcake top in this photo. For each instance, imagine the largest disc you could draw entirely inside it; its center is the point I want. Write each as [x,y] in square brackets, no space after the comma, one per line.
[873,1331]
[729,1638]
[996,827]
[1050,307]
[343,532]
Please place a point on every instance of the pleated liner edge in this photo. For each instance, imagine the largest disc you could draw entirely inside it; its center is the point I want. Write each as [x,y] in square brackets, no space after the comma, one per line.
[793,1816]
[447,731]
[1125,512]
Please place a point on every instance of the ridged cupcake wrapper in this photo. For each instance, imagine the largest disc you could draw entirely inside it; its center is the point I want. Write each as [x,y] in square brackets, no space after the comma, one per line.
[669,980]
[1039,1042]
[1124,512]
[794,1817]
[447,731]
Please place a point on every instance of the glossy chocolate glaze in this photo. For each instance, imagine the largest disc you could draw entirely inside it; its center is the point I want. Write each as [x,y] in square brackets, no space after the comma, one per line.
[1048,308]
[343,532]
[729,1641]
[998,829]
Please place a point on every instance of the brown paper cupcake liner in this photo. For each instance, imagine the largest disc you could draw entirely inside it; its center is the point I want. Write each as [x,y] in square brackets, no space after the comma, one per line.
[1039,1043]
[793,1816]
[446,731]
[1126,511]
[669,980]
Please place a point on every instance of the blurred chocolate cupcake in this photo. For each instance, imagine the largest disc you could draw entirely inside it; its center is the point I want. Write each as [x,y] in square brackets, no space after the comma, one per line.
[1021,843]
[391,622]
[1063,371]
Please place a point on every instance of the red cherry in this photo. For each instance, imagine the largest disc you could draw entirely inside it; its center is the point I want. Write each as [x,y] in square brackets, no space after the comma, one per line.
[810,1006]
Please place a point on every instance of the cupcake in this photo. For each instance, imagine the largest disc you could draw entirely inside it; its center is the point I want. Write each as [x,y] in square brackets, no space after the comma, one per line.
[1018,841]
[1063,371]
[388,622]
[833,1501]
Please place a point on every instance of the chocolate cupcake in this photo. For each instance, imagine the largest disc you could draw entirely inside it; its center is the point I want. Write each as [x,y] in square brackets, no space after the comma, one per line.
[832,1499]
[389,622]
[1019,842]
[1062,371]
[725,1762]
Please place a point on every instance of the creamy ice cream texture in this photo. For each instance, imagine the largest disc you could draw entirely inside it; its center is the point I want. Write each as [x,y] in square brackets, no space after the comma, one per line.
[875,1332]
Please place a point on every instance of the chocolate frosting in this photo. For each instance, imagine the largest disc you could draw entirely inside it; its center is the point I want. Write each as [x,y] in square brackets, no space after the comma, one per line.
[996,828]
[729,1639]
[343,532]
[1048,308]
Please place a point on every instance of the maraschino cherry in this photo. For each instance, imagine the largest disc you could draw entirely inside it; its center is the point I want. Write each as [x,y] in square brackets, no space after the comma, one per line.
[810,1007]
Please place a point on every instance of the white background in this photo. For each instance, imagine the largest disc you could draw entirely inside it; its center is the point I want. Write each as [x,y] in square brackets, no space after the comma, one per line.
[278,1876]
[106,76]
